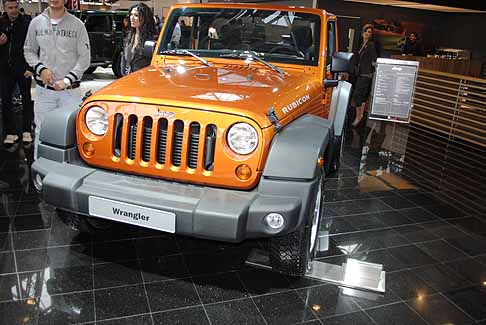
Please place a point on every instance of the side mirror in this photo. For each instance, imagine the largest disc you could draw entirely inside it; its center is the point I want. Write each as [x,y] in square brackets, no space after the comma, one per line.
[329,83]
[148,49]
[342,62]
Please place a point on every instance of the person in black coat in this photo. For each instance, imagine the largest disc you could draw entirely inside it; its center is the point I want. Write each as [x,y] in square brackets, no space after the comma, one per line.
[142,28]
[14,70]
[22,12]
[413,46]
[363,72]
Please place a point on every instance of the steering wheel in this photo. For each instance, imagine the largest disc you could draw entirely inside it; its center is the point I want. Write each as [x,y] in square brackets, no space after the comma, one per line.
[286,49]
[242,46]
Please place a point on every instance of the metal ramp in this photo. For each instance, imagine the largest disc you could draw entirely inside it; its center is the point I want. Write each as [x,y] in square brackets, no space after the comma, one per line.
[354,275]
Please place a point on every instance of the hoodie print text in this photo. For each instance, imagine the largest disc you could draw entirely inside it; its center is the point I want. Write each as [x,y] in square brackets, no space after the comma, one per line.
[58,32]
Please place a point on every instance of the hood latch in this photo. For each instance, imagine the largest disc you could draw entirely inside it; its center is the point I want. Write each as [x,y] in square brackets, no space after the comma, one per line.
[272,116]
[86,96]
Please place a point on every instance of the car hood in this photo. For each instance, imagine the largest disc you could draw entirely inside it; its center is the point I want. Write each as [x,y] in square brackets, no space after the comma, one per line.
[247,90]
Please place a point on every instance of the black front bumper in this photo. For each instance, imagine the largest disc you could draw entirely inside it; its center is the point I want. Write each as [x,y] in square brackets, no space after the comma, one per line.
[204,212]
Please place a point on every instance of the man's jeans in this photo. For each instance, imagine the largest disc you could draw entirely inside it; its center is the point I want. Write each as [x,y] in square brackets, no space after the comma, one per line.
[47,100]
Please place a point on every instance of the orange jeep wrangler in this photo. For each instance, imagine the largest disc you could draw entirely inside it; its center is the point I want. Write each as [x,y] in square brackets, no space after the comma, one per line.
[227,135]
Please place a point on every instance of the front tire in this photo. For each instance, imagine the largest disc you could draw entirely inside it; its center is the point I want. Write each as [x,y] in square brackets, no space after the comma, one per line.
[292,254]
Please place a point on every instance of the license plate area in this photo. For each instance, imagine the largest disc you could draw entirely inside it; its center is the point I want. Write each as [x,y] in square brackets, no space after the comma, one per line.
[132,214]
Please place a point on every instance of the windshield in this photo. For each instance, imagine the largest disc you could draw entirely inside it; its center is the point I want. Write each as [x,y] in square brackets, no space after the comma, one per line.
[274,35]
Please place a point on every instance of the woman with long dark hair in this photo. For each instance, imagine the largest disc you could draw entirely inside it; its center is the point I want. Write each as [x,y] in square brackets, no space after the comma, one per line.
[141,28]
[367,56]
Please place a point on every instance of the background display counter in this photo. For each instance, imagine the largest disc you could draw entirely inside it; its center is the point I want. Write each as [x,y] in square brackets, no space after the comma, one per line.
[471,68]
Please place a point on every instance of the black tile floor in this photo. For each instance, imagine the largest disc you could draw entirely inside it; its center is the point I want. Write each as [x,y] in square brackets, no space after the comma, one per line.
[433,250]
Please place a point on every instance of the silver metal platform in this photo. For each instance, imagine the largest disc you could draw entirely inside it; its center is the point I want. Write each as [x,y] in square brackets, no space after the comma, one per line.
[353,274]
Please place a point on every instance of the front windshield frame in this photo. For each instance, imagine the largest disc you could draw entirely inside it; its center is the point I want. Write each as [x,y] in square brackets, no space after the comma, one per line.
[315,21]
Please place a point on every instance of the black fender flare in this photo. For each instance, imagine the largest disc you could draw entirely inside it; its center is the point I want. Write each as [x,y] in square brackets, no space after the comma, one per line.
[341,97]
[295,150]
[59,127]
[292,169]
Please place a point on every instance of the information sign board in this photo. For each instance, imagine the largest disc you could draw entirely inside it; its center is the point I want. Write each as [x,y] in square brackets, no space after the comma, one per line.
[393,90]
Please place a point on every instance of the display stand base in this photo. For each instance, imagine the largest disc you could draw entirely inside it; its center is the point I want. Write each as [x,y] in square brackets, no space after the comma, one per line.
[353,274]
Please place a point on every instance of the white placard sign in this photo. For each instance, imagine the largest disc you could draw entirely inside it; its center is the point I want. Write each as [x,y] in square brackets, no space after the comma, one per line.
[393,90]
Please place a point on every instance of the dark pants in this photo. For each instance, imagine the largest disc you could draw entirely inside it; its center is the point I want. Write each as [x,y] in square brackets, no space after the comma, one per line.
[361,91]
[7,87]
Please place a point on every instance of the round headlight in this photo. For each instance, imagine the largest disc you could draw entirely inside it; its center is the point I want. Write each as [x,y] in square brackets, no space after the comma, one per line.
[97,120]
[242,138]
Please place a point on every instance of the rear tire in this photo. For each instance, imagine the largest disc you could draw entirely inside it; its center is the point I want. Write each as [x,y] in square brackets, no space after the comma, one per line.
[90,70]
[292,254]
[116,66]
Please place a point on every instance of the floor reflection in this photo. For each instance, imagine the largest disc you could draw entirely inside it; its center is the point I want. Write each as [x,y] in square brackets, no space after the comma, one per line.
[453,169]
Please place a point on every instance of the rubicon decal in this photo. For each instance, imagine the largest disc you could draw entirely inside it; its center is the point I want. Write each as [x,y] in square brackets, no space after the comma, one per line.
[296,104]
[132,215]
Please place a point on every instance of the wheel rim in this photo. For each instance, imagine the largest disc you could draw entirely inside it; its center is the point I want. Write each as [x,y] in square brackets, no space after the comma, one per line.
[315,219]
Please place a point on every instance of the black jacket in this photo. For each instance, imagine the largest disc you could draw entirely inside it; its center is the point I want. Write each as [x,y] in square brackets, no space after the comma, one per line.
[12,61]
[413,48]
[367,58]
[133,60]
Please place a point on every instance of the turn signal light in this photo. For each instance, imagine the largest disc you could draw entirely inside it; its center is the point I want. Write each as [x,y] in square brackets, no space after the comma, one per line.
[320,162]
[243,172]
[88,149]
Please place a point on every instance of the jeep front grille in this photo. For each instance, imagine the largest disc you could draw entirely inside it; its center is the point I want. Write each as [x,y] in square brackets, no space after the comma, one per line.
[146,138]
[194,129]
[182,145]
[177,143]
[132,136]
[162,141]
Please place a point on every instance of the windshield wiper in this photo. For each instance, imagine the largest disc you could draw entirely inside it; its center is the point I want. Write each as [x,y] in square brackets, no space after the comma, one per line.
[249,55]
[186,52]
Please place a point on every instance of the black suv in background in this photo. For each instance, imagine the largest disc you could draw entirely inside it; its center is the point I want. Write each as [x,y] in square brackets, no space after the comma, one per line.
[105,30]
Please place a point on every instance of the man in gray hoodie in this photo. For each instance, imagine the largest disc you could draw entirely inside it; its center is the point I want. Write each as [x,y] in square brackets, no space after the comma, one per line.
[57,47]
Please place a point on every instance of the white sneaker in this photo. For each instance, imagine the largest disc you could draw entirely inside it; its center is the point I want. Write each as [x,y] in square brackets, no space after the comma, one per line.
[10,139]
[26,137]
